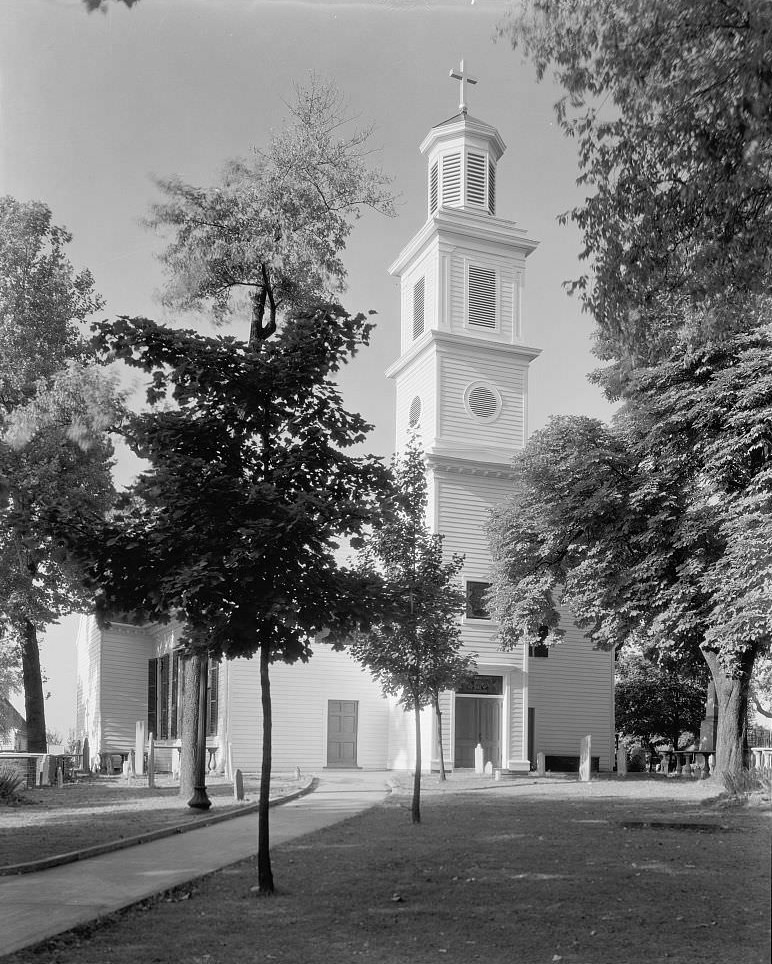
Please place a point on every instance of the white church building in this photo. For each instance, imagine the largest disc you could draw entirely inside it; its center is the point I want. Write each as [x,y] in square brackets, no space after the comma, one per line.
[462,385]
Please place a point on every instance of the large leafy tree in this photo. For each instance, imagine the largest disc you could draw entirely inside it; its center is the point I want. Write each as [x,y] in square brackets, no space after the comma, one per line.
[658,701]
[414,650]
[658,527]
[233,528]
[670,105]
[249,483]
[54,410]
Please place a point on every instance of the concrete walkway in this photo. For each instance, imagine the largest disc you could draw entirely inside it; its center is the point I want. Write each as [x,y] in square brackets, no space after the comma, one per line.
[39,905]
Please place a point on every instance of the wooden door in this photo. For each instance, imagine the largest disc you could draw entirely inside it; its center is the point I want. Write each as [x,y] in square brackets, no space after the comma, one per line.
[342,716]
[478,720]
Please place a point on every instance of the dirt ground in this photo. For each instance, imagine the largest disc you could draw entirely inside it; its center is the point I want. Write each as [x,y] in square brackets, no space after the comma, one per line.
[57,820]
[636,872]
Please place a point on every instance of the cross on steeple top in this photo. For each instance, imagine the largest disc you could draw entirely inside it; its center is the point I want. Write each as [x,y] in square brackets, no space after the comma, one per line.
[462,78]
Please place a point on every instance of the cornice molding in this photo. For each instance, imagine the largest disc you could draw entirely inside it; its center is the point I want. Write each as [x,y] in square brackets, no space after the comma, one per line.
[446,341]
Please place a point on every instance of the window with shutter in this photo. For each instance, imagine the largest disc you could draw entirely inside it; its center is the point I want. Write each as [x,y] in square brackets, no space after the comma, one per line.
[481,296]
[451,179]
[212,697]
[491,187]
[174,687]
[433,187]
[163,698]
[152,695]
[418,308]
[475,179]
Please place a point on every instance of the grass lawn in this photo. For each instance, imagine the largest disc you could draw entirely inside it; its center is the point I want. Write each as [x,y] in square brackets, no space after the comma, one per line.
[528,874]
[57,820]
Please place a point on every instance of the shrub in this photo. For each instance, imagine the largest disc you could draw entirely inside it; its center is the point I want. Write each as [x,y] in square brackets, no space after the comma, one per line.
[10,782]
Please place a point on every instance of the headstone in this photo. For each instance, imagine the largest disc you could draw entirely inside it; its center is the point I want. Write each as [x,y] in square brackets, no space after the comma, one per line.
[59,777]
[621,762]
[709,726]
[541,767]
[238,785]
[125,770]
[479,762]
[139,748]
[132,764]
[151,760]
[109,763]
[489,768]
[85,756]
[584,758]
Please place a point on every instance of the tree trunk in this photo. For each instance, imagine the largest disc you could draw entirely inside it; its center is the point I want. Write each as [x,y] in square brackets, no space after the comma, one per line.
[732,697]
[443,775]
[264,872]
[415,811]
[34,701]
[193,753]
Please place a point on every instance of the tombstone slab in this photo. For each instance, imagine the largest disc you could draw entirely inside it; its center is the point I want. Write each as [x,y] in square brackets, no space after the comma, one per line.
[479,761]
[541,766]
[238,785]
[621,762]
[585,748]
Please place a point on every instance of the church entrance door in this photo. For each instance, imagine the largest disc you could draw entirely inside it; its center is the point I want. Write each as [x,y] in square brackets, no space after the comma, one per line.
[478,720]
[342,719]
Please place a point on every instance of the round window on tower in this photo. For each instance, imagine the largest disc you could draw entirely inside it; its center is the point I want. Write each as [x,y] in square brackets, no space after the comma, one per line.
[482,401]
[414,415]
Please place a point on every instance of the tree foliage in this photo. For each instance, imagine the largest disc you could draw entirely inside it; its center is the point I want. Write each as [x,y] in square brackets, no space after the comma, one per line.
[670,105]
[658,702]
[269,237]
[414,651]
[658,527]
[54,411]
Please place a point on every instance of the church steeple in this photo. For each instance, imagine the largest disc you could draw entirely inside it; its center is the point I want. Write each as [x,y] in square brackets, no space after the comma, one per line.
[462,156]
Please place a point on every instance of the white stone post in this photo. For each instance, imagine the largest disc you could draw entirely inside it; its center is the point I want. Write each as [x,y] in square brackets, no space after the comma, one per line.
[585,759]
[139,748]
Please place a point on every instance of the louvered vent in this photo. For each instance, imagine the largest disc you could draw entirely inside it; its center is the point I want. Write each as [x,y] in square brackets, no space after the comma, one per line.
[482,401]
[414,416]
[475,179]
[433,186]
[418,308]
[451,179]
[482,297]
[491,187]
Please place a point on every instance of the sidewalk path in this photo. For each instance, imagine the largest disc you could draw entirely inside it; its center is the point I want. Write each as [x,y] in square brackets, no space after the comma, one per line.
[39,905]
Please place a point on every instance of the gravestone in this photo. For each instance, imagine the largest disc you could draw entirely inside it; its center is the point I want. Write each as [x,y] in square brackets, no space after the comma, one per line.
[709,726]
[151,760]
[132,770]
[584,759]
[489,769]
[59,777]
[238,785]
[139,748]
[541,767]
[621,762]
[479,762]
[85,755]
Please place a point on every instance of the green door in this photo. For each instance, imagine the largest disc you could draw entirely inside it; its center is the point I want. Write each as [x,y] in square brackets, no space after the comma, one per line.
[478,720]
[342,733]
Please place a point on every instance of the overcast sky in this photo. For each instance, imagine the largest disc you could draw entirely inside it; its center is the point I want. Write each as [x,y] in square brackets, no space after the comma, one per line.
[93,106]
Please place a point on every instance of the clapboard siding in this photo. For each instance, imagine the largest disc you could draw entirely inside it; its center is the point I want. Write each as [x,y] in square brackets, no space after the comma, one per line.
[418,380]
[464,506]
[457,372]
[125,654]
[300,696]
[572,693]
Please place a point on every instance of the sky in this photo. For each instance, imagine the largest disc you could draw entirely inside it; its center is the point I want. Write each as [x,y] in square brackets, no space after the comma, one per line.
[94,106]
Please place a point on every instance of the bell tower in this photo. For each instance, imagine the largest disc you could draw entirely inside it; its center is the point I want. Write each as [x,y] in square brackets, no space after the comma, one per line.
[462,386]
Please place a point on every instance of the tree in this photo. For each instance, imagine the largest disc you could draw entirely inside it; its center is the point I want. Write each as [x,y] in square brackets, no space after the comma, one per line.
[658,703]
[233,527]
[670,105]
[658,527]
[267,240]
[413,651]
[54,410]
